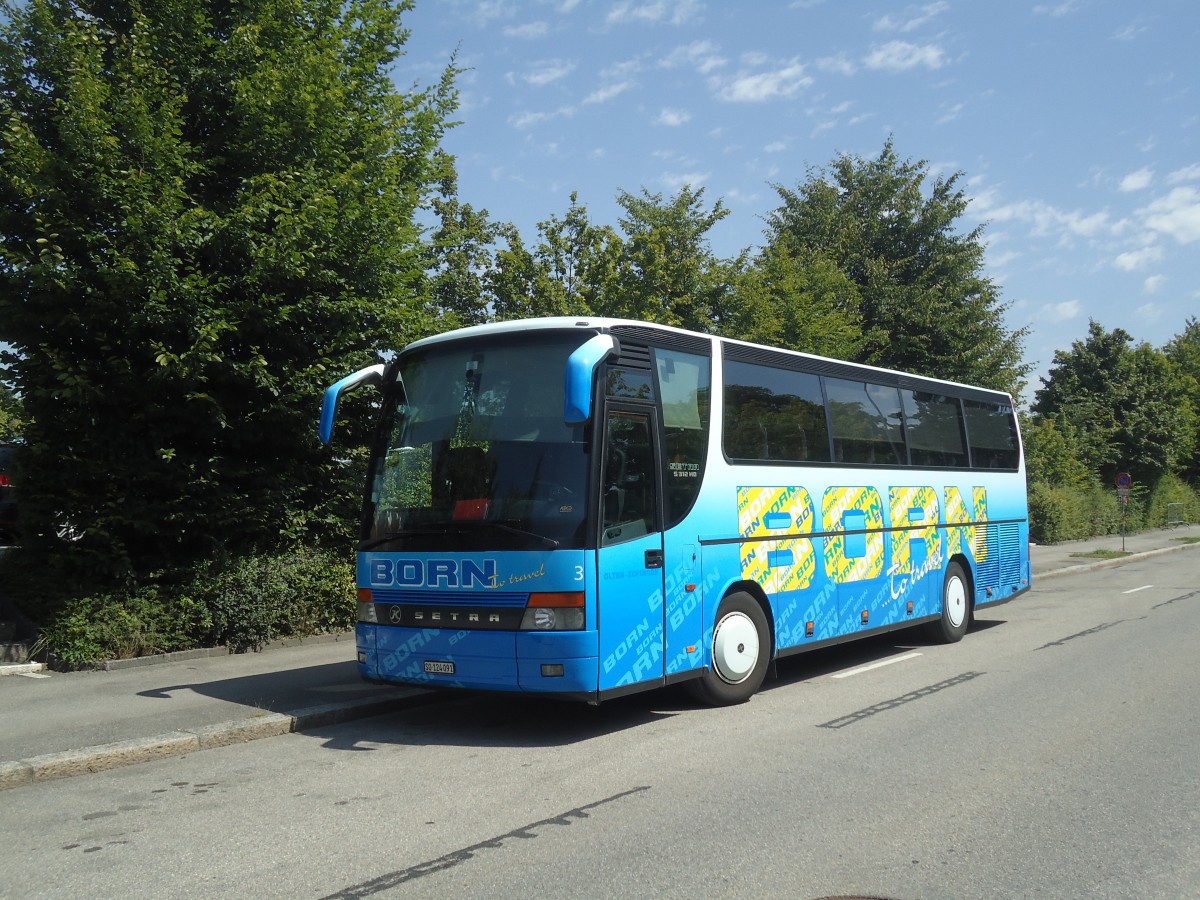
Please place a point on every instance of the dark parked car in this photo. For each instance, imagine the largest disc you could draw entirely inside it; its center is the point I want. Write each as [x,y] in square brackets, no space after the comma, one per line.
[8,498]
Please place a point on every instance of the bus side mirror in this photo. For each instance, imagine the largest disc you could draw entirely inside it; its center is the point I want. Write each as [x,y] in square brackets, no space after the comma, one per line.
[369,375]
[577,402]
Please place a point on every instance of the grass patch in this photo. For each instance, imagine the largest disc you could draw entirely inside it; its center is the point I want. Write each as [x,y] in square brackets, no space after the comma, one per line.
[1189,540]
[1102,554]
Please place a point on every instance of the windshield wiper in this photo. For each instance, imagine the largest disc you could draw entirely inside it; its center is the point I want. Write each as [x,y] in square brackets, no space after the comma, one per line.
[548,543]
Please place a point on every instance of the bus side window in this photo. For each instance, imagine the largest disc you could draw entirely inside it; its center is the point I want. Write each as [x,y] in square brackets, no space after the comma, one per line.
[630,488]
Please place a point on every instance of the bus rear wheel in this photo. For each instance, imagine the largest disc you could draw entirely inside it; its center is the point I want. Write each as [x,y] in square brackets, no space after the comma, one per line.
[740,652]
[956,608]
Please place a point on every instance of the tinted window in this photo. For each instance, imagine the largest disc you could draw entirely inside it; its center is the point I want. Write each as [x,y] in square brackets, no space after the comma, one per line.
[774,414]
[992,434]
[630,489]
[866,423]
[684,385]
[474,454]
[634,384]
[934,428]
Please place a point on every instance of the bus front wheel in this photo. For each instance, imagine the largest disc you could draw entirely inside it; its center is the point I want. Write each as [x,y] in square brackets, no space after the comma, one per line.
[956,608]
[740,652]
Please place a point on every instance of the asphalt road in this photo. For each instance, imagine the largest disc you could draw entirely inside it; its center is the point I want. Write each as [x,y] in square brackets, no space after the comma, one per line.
[1052,753]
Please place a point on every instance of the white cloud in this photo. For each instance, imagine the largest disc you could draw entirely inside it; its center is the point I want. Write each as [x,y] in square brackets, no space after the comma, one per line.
[836,65]
[1044,219]
[526,119]
[673,117]
[1137,181]
[759,88]
[900,56]
[951,114]
[674,13]
[1129,32]
[1176,215]
[920,18]
[704,56]
[548,71]
[1148,312]
[484,13]
[529,31]
[1153,284]
[1000,260]
[606,93]
[1058,10]
[1061,312]
[1189,173]
[1132,260]
[679,179]
[775,147]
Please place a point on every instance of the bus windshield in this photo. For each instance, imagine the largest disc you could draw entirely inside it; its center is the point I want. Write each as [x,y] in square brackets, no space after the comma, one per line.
[474,453]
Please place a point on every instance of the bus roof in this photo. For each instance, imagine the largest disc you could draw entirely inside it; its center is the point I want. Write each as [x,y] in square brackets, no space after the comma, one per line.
[596,324]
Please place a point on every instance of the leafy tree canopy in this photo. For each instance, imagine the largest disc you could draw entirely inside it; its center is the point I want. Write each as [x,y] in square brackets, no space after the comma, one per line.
[1122,404]
[207,210]
[923,299]
[11,422]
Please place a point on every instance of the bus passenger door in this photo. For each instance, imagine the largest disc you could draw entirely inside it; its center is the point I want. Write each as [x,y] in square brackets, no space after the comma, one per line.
[629,600]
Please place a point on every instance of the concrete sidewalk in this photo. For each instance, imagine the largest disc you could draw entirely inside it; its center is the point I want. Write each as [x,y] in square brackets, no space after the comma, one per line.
[61,724]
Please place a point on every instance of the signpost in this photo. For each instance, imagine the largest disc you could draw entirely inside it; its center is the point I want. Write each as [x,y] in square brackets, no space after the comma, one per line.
[1124,482]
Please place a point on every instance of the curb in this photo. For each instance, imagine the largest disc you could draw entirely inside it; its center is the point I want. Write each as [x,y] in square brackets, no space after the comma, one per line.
[1109,563]
[69,763]
[20,669]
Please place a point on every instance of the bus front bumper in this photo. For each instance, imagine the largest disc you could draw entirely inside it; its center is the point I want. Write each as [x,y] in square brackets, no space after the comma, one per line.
[536,662]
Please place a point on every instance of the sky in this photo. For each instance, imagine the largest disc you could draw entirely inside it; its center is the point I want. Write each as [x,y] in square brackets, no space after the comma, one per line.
[1075,125]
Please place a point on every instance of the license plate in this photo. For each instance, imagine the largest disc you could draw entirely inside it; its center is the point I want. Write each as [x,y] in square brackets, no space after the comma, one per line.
[437,667]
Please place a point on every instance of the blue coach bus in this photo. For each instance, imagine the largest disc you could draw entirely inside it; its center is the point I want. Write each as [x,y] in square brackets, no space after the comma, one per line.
[590,507]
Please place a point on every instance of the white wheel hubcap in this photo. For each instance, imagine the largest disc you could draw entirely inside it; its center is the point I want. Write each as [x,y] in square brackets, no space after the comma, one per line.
[956,602]
[735,647]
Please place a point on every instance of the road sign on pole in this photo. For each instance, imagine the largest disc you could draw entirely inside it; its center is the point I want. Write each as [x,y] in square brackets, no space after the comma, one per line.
[1124,482]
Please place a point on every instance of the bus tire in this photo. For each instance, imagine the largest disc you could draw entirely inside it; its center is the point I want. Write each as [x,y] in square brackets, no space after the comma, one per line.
[956,608]
[740,653]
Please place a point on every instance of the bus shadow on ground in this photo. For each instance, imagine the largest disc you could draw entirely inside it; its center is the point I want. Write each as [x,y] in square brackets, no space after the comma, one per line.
[477,719]
[501,720]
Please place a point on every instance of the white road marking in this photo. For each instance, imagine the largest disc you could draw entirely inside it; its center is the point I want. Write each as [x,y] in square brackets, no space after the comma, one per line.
[1144,587]
[877,665]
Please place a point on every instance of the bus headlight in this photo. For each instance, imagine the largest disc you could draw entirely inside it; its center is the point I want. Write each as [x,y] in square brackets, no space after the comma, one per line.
[554,612]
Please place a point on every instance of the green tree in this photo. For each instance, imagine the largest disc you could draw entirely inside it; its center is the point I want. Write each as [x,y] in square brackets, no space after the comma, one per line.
[573,270]
[1183,353]
[1121,404]
[924,300]
[795,299]
[1051,456]
[207,212]
[668,272]
[11,422]
[458,258]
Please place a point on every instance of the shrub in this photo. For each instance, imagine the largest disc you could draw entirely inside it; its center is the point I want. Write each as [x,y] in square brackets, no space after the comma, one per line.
[242,603]
[121,626]
[260,598]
